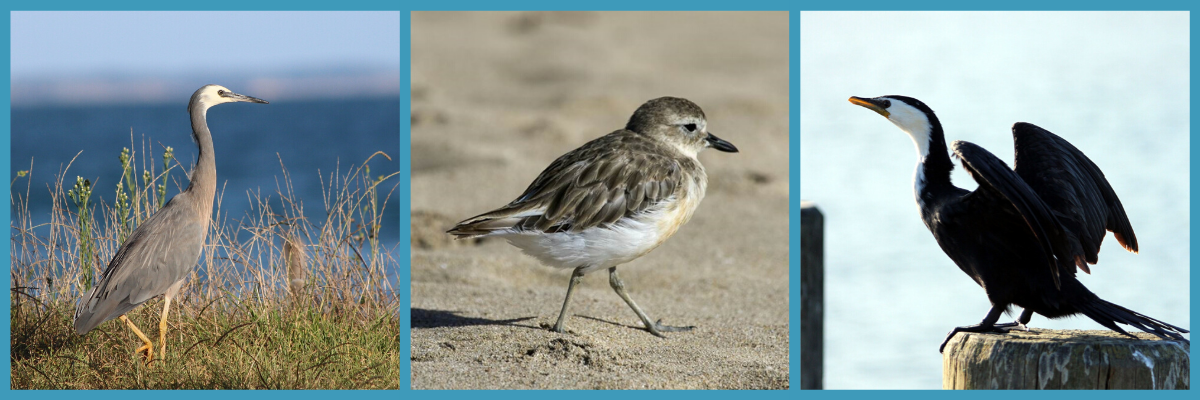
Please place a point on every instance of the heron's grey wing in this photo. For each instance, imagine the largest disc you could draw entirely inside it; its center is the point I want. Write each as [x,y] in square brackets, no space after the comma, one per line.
[1073,186]
[609,178]
[998,182]
[161,251]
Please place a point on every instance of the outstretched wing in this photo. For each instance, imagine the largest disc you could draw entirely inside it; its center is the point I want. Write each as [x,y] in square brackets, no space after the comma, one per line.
[614,176]
[998,182]
[1073,186]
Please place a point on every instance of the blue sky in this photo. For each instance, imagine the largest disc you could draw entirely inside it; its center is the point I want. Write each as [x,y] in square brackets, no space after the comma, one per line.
[84,43]
[63,56]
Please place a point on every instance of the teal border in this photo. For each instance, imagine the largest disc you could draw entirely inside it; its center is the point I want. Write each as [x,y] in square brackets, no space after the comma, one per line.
[404,7]
[405,176]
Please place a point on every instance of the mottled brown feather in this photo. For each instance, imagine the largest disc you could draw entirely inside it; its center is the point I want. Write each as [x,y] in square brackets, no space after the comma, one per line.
[617,175]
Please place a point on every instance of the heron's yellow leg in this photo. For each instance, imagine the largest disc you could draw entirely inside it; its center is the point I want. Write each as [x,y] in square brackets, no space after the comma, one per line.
[148,347]
[162,328]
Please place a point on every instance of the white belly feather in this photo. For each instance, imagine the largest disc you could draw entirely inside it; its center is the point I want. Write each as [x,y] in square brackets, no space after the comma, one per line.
[616,244]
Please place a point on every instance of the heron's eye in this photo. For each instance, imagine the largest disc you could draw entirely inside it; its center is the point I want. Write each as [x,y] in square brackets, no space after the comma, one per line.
[221,92]
[690,127]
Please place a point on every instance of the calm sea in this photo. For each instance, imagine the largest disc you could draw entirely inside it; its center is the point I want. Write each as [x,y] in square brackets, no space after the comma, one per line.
[312,139]
[1113,84]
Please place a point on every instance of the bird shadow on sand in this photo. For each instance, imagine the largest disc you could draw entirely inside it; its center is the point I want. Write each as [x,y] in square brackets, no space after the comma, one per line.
[635,327]
[422,318]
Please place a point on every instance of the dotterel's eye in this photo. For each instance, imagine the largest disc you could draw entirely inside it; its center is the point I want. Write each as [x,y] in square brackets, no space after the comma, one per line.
[690,127]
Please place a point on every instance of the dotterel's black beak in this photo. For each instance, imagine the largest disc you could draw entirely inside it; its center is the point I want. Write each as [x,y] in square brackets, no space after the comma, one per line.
[720,144]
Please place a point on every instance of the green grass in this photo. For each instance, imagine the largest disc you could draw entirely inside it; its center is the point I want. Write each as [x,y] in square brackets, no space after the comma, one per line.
[251,347]
[278,300]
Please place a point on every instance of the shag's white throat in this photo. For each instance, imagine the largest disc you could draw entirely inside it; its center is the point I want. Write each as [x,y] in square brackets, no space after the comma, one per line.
[914,122]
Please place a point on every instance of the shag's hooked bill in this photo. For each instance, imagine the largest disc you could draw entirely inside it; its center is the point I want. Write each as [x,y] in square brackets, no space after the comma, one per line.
[1024,232]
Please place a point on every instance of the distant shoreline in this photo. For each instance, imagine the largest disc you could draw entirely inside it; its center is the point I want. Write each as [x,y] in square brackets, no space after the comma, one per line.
[68,91]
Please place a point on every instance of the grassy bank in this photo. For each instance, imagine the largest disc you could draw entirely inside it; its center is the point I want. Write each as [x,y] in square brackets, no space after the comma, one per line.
[278,300]
[248,347]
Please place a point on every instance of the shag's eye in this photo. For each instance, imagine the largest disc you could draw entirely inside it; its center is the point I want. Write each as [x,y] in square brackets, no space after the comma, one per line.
[690,127]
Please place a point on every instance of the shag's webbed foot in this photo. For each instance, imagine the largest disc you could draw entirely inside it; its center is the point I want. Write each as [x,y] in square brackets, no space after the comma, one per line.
[1015,325]
[989,325]
[977,328]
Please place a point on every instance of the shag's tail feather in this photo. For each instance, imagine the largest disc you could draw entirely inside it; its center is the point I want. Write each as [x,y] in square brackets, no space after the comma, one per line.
[1108,314]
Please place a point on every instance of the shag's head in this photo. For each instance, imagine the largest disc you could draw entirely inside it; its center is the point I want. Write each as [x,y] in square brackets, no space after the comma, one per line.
[679,122]
[211,95]
[911,115]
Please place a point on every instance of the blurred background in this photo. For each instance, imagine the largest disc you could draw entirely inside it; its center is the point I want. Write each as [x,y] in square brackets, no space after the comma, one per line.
[87,84]
[1114,84]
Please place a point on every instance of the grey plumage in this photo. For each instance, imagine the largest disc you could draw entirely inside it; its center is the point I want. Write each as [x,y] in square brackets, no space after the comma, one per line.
[161,252]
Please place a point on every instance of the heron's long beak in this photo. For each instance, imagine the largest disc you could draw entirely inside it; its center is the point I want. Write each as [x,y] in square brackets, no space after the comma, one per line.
[720,144]
[868,103]
[241,97]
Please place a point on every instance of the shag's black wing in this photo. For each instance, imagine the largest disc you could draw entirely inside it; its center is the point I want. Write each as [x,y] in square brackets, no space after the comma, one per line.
[1061,194]
[1073,186]
[997,181]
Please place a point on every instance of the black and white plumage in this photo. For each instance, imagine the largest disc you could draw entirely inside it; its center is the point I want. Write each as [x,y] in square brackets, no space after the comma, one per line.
[1024,232]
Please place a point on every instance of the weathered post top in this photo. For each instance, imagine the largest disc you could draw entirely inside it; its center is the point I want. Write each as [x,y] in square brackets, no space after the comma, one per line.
[1064,359]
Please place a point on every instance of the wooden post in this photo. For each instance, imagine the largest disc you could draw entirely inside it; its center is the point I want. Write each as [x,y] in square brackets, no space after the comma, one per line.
[812,296]
[1064,359]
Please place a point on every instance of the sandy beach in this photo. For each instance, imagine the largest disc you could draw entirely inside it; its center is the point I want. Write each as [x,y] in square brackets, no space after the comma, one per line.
[498,96]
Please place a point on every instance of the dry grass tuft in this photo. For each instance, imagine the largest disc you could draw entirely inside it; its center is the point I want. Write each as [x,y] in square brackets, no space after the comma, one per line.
[277,301]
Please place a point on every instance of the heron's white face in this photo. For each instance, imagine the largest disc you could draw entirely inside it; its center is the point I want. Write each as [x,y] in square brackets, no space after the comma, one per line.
[211,95]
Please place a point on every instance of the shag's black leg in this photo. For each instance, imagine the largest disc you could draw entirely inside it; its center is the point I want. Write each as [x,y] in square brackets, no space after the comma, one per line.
[1019,323]
[657,328]
[987,325]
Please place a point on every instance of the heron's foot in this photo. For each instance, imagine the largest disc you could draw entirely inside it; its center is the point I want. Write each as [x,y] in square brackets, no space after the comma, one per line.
[658,328]
[978,328]
[147,352]
[558,327]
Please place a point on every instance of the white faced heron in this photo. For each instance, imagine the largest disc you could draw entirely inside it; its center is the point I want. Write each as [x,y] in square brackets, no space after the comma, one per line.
[161,252]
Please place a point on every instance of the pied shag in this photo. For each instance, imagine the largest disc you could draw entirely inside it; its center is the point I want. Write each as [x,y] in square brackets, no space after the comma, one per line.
[1023,232]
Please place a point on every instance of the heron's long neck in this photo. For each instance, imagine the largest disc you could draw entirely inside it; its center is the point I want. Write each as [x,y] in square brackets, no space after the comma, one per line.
[204,176]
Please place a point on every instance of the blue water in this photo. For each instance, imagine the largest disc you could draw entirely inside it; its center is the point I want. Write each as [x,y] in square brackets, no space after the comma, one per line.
[309,137]
[1114,84]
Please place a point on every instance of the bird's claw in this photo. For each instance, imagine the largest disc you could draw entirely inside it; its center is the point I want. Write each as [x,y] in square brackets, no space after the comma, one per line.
[658,328]
[146,351]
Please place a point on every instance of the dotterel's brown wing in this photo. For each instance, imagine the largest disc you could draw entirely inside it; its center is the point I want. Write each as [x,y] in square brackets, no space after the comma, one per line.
[617,175]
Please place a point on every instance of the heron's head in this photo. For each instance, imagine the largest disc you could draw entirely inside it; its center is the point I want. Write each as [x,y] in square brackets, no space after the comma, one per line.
[909,114]
[678,122]
[211,95]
